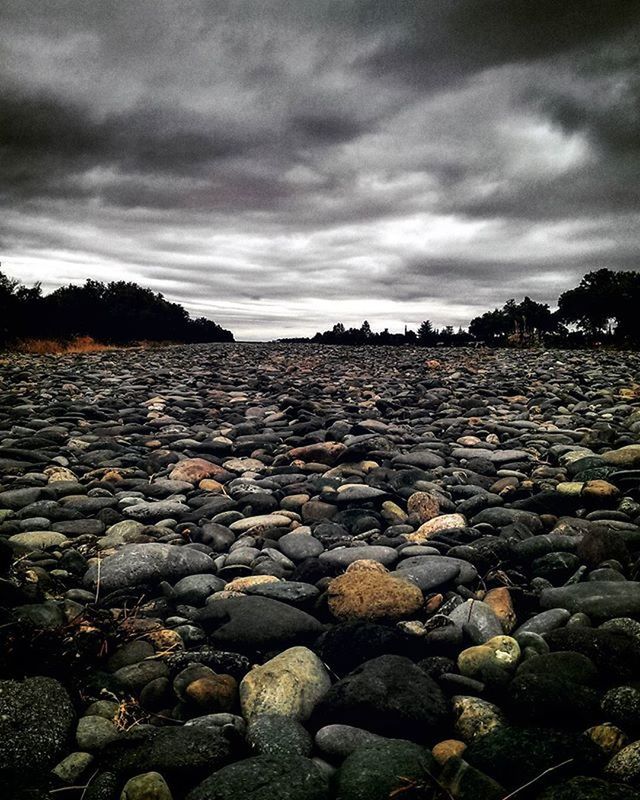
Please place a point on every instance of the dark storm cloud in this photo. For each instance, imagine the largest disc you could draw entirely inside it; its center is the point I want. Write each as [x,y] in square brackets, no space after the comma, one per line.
[281,160]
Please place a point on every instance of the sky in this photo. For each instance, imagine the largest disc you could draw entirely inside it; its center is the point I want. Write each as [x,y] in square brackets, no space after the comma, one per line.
[279,166]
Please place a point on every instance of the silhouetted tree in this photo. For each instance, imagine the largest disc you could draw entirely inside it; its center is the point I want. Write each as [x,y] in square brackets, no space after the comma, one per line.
[426,333]
[118,312]
[605,303]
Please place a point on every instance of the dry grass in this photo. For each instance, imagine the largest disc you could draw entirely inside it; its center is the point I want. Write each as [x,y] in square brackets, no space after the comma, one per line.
[80,344]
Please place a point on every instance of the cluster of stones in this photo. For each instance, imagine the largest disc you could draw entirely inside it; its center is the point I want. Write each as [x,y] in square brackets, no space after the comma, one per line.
[253,571]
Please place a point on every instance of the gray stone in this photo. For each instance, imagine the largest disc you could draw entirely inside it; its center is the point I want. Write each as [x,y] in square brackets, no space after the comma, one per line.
[146,563]
[256,623]
[36,722]
[298,546]
[265,778]
[597,599]
[375,772]
[339,741]
[479,614]
[276,735]
[341,557]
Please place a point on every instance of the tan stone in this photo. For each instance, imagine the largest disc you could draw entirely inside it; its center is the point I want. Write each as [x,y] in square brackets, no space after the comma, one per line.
[165,640]
[424,505]
[372,595]
[475,717]
[193,470]
[600,490]
[290,684]
[366,565]
[442,523]
[210,485]
[609,738]
[322,453]
[59,474]
[500,601]
[29,541]
[499,651]
[392,513]
[625,457]
[147,786]
[446,749]
[244,582]
[571,488]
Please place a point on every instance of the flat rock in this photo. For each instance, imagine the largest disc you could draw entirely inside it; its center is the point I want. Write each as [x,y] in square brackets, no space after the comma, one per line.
[135,564]
[597,599]
[256,623]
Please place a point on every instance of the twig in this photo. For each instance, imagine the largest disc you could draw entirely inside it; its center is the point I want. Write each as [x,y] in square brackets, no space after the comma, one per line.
[98,582]
[84,791]
[537,778]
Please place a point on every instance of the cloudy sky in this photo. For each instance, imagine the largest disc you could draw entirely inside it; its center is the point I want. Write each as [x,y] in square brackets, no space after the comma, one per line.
[281,165]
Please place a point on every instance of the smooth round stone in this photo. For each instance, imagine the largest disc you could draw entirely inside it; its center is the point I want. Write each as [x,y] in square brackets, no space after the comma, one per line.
[73,766]
[36,722]
[156,510]
[420,568]
[286,591]
[429,576]
[432,527]
[298,546]
[478,614]
[36,540]
[499,651]
[293,777]
[135,676]
[625,457]
[94,733]
[597,599]
[339,741]
[475,717]
[378,772]
[344,556]
[35,524]
[626,625]
[260,522]
[625,765]
[544,622]
[621,705]
[278,735]
[134,564]
[411,550]
[194,589]
[147,786]
[357,493]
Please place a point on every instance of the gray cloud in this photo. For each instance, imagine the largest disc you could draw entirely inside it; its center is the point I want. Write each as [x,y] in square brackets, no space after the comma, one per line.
[280,165]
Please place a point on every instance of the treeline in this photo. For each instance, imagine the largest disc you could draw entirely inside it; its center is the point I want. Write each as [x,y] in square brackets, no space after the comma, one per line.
[119,312]
[604,309]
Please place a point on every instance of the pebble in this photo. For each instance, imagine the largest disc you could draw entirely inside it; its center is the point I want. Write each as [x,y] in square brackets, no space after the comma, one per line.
[448,549]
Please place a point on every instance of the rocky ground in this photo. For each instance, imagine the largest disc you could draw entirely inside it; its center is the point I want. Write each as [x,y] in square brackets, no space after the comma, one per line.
[264,572]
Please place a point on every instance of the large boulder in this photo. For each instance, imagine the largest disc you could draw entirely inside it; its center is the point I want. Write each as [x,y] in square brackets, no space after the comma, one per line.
[250,624]
[36,722]
[265,778]
[153,562]
[388,695]
[376,771]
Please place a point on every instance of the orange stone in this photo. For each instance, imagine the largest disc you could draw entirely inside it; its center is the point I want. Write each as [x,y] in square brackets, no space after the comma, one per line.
[500,601]
[214,693]
[194,470]
[447,749]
